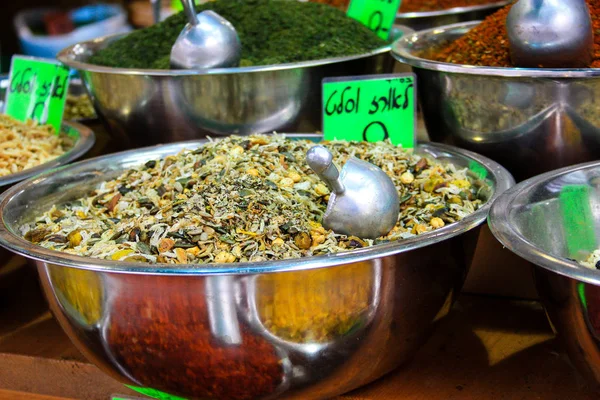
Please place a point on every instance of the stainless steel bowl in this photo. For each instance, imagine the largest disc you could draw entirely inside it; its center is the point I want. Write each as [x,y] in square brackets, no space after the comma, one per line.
[527,220]
[431,19]
[529,120]
[82,138]
[145,107]
[303,328]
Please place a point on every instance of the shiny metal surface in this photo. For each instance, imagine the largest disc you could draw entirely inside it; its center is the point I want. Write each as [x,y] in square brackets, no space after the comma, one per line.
[159,106]
[308,327]
[527,220]
[364,201]
[430,19]
[552,33]
[529,120]
[207,41]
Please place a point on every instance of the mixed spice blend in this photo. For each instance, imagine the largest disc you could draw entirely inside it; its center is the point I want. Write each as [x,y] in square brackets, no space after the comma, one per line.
[244,199]
[487,44]
[271,32]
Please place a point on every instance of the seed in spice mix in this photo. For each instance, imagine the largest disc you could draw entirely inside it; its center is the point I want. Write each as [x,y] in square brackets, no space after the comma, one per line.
[487,43]
[271,32]
[243,199]
[170,347]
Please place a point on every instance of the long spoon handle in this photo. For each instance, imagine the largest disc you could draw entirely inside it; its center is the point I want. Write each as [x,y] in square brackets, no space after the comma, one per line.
[156,5]
[320,160]
[190,11]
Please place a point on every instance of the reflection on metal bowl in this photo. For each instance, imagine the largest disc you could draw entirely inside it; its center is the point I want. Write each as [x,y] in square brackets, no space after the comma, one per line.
[144,107]
[431,19]
[247,331]
[529,221]
[529,120]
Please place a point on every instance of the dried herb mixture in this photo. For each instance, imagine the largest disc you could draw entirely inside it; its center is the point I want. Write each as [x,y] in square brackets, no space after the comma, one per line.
[245,199]
[487,43]
[271,32]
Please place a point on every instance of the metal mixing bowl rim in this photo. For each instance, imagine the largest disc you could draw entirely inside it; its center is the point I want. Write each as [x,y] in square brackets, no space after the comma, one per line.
[66,57]
[19,245]
[82,145]
[505,232]
[401,51]
[453,10]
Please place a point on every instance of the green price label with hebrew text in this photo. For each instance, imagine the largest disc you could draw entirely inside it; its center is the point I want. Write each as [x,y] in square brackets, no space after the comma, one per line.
[377,15]
[37,90]
[370,108]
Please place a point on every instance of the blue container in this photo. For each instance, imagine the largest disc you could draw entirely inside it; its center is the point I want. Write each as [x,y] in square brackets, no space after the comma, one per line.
[101,19]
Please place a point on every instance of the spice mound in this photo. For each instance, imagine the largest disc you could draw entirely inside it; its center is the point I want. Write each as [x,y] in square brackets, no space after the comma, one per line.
[487,43]
[244,199]
[271,32]
[417,5]
[25,145]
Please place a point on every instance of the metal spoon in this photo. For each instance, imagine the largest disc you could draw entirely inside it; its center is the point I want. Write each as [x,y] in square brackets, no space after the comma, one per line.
[156,5]
[207,41]
[364,201]
[550,33]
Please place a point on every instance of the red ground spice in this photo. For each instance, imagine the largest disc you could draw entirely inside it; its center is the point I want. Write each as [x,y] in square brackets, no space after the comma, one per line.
[417,5]
[487,43]
[167,344]
[435,5]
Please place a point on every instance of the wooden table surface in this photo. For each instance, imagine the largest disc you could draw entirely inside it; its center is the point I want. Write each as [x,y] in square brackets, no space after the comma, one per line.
[488,348]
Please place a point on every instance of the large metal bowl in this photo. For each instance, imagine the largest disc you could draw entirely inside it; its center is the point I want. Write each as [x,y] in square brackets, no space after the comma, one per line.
[529,120]
[146,107]
[212,332]
[527,219]
[430,19]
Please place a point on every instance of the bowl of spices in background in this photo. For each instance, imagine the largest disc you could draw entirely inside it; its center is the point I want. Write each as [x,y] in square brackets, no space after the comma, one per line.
[28,149]
[228,286]
[551,220]
[287,49]
[531,120]
[425,14]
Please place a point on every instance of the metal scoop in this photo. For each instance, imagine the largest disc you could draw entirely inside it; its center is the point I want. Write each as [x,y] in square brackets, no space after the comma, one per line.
[207,41]
[550,33]
[363,202]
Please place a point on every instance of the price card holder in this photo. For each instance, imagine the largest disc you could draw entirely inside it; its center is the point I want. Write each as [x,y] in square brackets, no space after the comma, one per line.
[377,15]
[37,90]
[371,108]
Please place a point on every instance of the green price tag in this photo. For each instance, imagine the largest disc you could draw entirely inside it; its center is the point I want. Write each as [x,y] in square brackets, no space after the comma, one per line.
[370,108]
[37,90]
[155,394]
[377,15]
[578,219]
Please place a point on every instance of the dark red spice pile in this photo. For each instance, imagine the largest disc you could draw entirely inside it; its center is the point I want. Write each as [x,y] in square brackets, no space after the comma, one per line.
[164,341]
[434,5]
[417,5]
[487,43]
